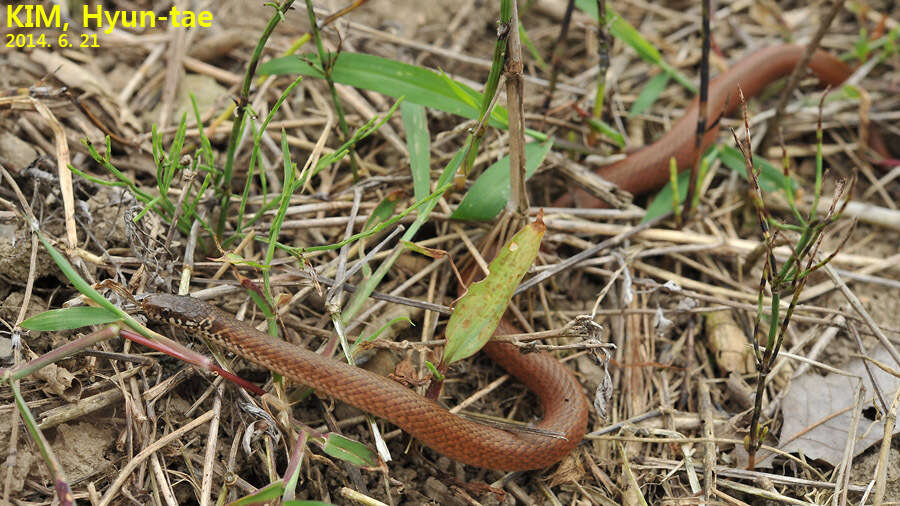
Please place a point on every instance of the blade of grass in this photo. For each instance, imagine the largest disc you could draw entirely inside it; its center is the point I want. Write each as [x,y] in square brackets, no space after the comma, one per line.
[664,201]
[424,205]
[650,92]
[389,77]
[538,59]
[490,86]
[63,490]
[243,99]
[605,129]
[370,127]
[264,495]
[254,154]
[418,142]
[326,61]
[86,289]
[771,178]
[275,228]
[69,318]
[343,448]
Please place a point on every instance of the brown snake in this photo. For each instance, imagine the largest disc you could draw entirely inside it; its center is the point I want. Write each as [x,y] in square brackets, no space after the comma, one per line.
[648,168]
[565,406]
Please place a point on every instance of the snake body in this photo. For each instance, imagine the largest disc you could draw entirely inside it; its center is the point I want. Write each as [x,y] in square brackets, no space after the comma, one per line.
[564,404]
[648,168]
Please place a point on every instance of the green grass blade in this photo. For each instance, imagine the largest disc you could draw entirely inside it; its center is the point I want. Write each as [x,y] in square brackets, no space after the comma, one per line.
[499,59]
[384,210]
[63,489]
[422,205]
[771,178]
[69,318]
[389,77]
[364,131]
[166,172]
[418,142]
[347,449]
[85,288]
[607,130]
[665,201]
[649,93]
[526,41]
[275,230]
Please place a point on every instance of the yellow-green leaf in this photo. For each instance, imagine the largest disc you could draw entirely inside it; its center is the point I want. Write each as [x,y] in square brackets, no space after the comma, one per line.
[478,312]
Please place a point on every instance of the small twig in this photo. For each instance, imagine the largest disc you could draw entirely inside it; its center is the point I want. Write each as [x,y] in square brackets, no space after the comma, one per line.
[709,460]
[861,311]
[334,293]
[882,467]
[589,344]
[515,87]
[842,476]
[211,445]
[558,50]
[703,106]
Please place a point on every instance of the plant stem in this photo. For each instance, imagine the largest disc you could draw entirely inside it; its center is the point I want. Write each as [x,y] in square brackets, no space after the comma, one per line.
[327,60]
[243,101]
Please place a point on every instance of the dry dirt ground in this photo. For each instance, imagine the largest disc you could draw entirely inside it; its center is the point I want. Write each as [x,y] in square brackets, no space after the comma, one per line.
[681,379]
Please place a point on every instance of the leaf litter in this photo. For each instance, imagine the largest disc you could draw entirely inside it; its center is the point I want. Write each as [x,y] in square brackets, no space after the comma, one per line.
[818,409]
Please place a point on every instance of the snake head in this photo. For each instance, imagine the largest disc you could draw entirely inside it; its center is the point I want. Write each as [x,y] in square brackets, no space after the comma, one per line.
[179,310]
